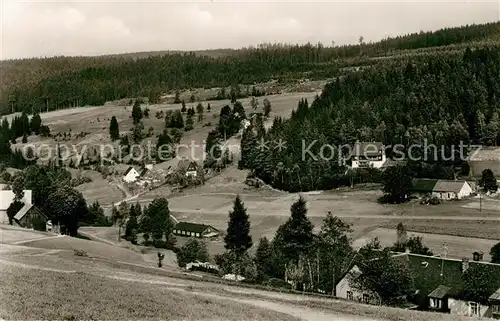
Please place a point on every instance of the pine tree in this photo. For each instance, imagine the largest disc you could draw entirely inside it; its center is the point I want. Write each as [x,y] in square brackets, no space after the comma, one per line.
[189,123]
[136,112]
[36,122]
[267,107]
[488,181]
[209,108]
[183,109]
[238,239]
[263,259]
[296,232]
[114,131]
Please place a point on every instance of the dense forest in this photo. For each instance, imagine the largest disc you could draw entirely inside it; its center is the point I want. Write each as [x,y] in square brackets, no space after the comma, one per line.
[443,99]
[62,82]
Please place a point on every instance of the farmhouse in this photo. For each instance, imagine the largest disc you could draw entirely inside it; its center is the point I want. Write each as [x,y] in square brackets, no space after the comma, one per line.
[442,189]
[131,175]
[196,230]
[440,285]
[29,216]
[189,168]
[7,197]
[368,154]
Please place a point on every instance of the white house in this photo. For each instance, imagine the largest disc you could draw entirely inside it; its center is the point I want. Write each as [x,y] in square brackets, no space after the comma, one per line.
[442,188]
[131,175]
[366,154]
[7,197]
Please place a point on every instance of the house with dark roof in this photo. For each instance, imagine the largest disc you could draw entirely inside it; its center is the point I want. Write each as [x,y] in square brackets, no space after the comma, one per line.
[195,230]
[131,175]
[29,216]
[368,154]
[442,285]
[189,168]
[441,188]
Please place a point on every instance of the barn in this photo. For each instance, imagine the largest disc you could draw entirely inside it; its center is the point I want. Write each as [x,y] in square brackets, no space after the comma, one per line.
[195,230]
[29,216]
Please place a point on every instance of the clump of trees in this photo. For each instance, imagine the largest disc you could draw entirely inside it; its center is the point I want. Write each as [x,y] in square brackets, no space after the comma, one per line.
[488,181]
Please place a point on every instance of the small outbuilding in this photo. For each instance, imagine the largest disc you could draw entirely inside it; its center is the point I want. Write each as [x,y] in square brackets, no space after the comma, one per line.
[29,216]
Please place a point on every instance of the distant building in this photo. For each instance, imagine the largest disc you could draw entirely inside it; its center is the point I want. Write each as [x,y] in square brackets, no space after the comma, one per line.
[131,175]
[195,230]
[368,154]
[439,283]
[7,198]
[29,216]
[441,188]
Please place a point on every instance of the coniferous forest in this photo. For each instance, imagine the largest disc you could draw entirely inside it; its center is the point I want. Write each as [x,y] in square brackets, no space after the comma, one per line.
[63,82]
[442,99]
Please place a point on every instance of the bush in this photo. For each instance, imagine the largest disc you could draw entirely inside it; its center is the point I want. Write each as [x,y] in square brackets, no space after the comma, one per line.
[194,250]
[278,283]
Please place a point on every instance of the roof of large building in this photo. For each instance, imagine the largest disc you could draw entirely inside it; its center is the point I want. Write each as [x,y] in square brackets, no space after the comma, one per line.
[449,186]
[192,227]
[424,185]
[437,185]
[443,276]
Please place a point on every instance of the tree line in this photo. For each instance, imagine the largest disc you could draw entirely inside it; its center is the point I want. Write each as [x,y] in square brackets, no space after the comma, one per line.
[440,100]
[63,82]
[300,259]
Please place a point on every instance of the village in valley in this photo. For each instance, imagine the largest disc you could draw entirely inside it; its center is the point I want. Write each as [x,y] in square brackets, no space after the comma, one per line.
[280,182]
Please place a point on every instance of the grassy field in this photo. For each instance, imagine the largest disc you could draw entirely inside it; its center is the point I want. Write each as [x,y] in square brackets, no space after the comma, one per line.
[93,248]
[30,294]
[458,247]
[473,229]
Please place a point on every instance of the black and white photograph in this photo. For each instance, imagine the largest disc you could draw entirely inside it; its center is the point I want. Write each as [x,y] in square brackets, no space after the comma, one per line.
[249,160]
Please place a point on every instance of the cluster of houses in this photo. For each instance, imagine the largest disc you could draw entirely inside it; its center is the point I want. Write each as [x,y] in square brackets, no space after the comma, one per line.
[372,154]
[150,175]
[439,285]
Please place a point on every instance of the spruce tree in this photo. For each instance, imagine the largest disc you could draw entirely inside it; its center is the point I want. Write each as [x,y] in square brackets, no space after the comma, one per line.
[36,122]
[114,131]
[296,232]
[263,259]
[488,181]
[238,239]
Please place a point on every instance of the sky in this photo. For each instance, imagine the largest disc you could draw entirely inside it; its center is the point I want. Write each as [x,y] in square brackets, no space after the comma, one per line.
[31,28]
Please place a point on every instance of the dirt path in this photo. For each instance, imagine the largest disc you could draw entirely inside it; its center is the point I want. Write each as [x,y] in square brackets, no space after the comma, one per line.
[287,213]
[180,285]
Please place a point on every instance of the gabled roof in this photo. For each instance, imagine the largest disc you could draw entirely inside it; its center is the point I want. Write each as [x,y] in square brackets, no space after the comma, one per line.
[440,292]
[25,209]
[129,170]
[192,227]
[448,186]
[424,185]
[143,172]
[192,167]
[367,149]
[431,272]
[495,296]
[187,165]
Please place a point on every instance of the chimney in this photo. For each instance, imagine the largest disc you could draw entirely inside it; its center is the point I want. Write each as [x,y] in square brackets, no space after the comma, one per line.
[465,264]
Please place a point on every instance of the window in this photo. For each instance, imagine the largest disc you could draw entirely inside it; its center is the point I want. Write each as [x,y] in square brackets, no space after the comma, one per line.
[350,296]
[366,298]
[474,309]
[436,303]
